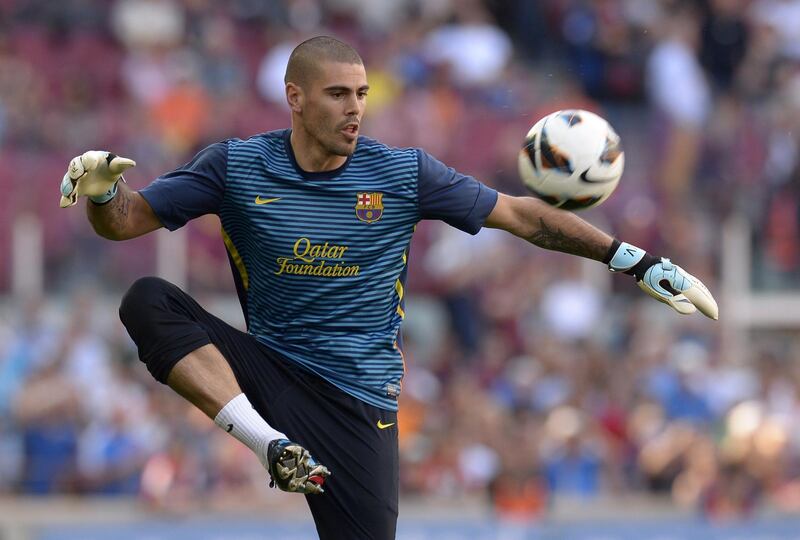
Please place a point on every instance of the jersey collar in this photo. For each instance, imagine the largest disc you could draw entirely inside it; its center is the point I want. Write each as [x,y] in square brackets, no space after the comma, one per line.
[333,173]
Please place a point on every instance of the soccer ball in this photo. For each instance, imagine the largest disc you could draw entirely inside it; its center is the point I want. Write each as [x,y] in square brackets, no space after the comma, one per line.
[571,159]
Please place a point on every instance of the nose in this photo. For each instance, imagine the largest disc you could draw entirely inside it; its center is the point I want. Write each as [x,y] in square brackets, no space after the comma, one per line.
[351,105]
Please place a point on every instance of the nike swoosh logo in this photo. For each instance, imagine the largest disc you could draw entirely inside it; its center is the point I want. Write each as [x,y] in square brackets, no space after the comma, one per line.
[381,425]
[230,428]
[259,200]
[585,178]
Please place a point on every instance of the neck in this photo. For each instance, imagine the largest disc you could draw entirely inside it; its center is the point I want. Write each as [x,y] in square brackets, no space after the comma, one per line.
[310,155]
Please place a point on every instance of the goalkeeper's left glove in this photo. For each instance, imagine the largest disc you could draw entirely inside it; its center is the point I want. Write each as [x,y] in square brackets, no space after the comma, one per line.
[662,279]
[95,174]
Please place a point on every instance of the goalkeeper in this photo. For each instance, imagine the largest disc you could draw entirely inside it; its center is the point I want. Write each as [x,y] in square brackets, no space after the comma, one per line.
[317,222]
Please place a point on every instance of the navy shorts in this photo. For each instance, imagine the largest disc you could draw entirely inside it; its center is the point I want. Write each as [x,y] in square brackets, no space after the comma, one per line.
[360,499]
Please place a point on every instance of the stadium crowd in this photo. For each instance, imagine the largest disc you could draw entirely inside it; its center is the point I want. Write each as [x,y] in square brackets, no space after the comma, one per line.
[525,382]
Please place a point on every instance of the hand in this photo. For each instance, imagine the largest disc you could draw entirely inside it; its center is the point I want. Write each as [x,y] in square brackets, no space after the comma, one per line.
[663,280]
[95,174]
[671,284]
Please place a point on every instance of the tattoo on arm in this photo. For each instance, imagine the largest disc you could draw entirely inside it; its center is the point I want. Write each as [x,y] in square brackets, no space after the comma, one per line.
[116,211]
[110,220]
[558,240]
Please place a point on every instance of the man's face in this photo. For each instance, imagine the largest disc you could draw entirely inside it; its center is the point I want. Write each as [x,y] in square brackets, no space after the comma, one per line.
[333,105]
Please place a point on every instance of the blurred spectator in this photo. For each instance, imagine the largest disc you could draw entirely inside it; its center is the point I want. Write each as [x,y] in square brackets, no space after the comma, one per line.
[148,23]
[31,344]
[732,495]
[109,458]
[518,497]
[474,49]
[28,345]
[679,90]
[182,112]
[571,460]
[782,19]
[604,46]
[269,79]
[571,307]
[48,414]
[724,41]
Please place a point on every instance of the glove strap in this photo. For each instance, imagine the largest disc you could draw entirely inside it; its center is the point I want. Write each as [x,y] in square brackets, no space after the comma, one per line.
[107,196]
[629,259]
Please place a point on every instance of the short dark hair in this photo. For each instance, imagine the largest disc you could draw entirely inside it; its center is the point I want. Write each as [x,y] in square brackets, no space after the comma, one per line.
[304,60]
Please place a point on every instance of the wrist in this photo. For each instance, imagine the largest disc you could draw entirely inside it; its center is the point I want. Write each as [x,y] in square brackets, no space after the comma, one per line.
[611,251]
[107,196]
[629,259]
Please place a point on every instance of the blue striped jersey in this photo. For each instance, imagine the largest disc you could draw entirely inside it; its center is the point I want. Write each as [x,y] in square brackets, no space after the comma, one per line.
[320,258]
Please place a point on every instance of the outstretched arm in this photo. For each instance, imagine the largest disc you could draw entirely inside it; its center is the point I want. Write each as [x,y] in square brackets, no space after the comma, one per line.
[548,227]
[118,213]
[126,216]
[115,211]
[559,230]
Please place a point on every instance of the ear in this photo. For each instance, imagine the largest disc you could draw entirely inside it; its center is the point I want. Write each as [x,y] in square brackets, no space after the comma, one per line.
[294,97]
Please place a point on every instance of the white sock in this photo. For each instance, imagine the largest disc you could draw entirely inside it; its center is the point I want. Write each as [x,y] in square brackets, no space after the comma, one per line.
[241,420]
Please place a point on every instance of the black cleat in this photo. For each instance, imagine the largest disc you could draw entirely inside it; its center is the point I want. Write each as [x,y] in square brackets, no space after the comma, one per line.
[293,469]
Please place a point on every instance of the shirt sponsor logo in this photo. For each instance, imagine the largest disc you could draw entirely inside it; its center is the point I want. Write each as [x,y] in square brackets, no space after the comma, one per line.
[314,259]
[369,207]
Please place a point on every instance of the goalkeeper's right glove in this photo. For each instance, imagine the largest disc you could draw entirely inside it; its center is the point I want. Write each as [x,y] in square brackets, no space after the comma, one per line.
[95,174]
[662,279]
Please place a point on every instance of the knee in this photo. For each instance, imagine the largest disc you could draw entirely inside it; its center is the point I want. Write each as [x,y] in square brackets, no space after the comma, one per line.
[141,297]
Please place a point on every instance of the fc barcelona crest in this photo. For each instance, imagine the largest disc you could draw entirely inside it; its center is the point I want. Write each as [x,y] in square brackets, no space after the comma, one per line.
[369,206]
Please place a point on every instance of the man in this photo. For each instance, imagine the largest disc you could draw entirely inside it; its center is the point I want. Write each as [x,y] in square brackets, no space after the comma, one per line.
[317,221]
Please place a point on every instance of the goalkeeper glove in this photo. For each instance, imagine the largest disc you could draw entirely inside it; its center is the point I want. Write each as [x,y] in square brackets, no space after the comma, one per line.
[95,174]
[663,280]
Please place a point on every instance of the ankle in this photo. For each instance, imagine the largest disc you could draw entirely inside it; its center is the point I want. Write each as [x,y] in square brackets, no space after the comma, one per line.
[242,421]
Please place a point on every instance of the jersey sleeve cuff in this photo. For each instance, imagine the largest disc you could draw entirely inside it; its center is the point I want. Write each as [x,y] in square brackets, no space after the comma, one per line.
[484,204]
[157,204]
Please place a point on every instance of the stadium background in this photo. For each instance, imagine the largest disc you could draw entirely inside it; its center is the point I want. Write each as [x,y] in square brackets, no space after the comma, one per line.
[543,398]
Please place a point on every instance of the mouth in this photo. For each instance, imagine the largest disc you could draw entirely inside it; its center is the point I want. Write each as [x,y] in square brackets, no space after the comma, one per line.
[350,131]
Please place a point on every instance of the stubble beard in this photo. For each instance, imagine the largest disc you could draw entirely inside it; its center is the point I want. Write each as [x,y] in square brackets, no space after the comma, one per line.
[341,149]
[327,140]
